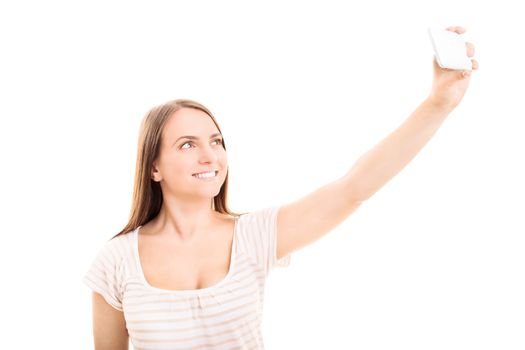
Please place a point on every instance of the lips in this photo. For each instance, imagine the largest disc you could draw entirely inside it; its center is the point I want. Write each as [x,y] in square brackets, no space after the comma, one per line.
[204,172]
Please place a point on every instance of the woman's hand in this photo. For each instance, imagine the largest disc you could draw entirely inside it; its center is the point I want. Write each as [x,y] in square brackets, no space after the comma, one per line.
[449,86]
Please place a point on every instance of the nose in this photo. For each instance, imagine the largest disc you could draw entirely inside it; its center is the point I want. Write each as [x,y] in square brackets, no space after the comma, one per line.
[207,155]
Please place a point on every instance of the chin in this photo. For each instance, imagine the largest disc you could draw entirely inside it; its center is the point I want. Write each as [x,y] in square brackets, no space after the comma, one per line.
[209,193]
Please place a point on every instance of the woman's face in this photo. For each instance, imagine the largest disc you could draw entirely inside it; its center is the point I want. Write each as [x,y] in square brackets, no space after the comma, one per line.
[191,144]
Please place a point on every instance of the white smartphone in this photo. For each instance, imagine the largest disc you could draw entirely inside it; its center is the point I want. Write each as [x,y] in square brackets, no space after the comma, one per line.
[449,49]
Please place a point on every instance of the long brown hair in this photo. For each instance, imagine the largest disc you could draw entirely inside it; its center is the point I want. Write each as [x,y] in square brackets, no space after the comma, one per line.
[147,194]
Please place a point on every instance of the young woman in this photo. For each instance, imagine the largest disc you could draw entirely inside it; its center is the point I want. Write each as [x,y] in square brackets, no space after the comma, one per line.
[186,272]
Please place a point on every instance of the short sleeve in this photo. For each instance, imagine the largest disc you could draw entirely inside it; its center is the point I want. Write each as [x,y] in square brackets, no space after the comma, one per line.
[260,234]
[105,275]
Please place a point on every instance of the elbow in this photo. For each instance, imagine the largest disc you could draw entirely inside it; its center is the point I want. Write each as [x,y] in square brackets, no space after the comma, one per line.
[353,189]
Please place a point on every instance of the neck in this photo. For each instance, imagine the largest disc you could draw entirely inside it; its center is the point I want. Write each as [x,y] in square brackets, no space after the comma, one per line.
[186,220]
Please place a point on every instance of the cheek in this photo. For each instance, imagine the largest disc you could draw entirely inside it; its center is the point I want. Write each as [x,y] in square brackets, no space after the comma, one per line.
[223,157]
[177,166]
[223,160]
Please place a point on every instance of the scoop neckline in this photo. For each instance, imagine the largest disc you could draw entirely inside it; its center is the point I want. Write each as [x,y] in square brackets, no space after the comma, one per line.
[185,291]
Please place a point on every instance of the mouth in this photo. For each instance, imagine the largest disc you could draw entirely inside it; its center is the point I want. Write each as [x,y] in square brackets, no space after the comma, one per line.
[206,175]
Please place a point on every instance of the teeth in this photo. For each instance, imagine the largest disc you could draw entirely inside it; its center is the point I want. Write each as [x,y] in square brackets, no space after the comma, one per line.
[208,174]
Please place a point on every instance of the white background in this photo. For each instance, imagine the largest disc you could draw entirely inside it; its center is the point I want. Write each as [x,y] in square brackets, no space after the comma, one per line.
[434,260]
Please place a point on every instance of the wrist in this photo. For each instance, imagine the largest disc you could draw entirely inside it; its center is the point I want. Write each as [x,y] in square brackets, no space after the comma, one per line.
[439,104]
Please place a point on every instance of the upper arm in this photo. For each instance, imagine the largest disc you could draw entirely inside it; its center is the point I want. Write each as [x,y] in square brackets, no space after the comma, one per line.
[304,221]
[109,326]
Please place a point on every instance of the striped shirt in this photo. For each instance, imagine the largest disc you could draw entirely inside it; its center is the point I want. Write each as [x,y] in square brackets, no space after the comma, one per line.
[224,316]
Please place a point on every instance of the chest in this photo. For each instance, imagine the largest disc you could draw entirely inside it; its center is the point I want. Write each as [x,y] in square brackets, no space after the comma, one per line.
[174,266]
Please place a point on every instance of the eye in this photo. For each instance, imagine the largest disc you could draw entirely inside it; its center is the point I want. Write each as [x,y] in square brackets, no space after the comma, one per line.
[185,143]
[219,142]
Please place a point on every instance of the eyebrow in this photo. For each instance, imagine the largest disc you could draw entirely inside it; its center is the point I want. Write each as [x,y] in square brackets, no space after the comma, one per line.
[195,137]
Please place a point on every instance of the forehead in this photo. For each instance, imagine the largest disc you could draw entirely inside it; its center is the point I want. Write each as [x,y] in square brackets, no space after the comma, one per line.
[189,121]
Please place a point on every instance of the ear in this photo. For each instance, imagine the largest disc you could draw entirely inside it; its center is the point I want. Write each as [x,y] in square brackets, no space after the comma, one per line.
[155,172]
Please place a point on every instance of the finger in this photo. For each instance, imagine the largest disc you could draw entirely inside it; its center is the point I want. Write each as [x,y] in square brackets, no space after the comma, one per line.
[470,49]
[475,64]
[457,29]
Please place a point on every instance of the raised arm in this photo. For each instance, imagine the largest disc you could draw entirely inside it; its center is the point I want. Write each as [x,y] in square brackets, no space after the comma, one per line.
[307,219]
[391,155]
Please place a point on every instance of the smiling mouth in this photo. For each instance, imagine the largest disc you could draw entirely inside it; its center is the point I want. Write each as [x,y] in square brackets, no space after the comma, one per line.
[207,175]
